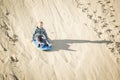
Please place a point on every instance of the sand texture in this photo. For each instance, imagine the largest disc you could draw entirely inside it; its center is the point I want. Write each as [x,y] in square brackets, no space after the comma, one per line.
[85,36]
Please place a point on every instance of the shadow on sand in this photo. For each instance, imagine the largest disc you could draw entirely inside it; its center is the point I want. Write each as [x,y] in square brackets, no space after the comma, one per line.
[65,44]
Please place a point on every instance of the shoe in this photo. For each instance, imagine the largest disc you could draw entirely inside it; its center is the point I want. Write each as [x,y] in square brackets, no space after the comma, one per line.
[38,45]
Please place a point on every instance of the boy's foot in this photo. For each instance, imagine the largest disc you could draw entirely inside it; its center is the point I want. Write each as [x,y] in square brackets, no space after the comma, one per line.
[38,45]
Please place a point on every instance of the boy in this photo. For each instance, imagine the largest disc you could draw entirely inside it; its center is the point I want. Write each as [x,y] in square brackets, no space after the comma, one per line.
[40,35]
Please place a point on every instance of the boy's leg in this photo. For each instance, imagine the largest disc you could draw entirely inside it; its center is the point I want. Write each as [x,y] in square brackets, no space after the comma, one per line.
[38,41]
[46,41]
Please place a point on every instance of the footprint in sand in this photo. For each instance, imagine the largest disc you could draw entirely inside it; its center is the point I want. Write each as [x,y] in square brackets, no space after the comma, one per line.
[112,15]
[111,7]
[118,33]
[7,13]
[14,59]
[3,47]
[100,2]
[99,34]
[108,30]
[89,3]
[117,44]
[104,25]
[112,36]
[94,12]
[113,10]
[108,2]
[2,60]
[118,60]
[114,21]
[79,5]
[95,21]
[116,26]
[105,11]
[112,49]
[100,17]
[89,16]
[85,10]
[103,5]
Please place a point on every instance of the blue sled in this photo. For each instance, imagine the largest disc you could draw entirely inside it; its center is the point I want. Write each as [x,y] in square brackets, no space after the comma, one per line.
[43,48]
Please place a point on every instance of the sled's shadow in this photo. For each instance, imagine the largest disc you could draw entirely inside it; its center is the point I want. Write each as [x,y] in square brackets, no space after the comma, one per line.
[65,44]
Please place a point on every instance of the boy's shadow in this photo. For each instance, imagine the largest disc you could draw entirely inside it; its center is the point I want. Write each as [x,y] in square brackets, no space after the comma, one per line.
[64,44]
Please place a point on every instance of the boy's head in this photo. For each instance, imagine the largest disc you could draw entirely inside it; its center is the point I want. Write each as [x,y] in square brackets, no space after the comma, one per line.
[41,24]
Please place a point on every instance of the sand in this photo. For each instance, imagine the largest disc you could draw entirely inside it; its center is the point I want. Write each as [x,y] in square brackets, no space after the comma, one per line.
[85,36]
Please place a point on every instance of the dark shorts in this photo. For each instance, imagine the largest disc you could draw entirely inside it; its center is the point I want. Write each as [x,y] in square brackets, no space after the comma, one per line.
[40,38]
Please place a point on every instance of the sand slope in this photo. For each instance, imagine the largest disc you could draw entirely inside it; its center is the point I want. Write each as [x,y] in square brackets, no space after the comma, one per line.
[78,54]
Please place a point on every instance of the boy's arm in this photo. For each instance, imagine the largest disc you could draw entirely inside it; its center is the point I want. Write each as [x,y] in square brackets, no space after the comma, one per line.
[34,35]
[45,34]
[49,40]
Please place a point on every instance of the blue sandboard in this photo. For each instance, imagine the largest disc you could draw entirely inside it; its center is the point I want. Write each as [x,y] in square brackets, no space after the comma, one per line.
[44,48]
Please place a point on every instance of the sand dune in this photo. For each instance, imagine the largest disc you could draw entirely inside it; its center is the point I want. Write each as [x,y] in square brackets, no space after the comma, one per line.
[85,36]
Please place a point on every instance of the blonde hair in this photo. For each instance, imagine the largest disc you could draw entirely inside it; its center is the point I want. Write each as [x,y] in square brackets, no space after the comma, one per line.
[41,22]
